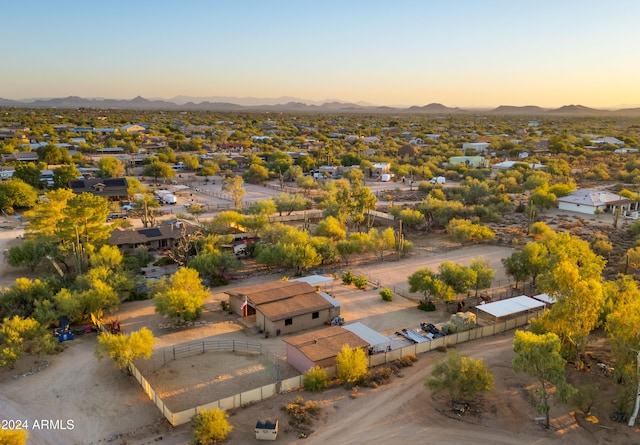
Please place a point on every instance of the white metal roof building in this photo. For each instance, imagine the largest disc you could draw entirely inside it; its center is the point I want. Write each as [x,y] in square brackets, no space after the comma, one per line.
[509,307]
[378,342]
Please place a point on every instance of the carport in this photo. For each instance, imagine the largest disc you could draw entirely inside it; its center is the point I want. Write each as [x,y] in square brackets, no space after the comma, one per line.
[509,308]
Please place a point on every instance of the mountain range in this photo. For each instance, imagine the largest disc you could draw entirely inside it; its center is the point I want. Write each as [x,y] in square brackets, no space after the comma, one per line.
[290,104]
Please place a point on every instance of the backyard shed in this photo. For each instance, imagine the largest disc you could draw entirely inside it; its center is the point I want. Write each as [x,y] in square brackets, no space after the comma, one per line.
[545,298]
[509,308]
[320,347]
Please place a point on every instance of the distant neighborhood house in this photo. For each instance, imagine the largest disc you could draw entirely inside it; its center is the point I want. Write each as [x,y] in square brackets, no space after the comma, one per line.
[160,237]
[589,201]
[115,189]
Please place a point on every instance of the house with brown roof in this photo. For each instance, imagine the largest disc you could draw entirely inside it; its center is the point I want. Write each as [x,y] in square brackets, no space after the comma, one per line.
[114,189]
[161,237]
[21,156]
[320,347]
[283,307]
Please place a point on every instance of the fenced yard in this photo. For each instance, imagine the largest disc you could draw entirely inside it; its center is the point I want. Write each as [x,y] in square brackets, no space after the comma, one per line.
[168,355]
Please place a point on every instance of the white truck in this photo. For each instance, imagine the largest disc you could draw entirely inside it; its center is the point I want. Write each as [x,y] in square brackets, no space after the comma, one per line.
[385,177]
[438,180]
[169,199]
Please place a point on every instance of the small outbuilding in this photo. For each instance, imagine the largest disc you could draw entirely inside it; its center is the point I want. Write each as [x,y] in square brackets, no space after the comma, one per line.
[320,347]
[377,341]
[511,307]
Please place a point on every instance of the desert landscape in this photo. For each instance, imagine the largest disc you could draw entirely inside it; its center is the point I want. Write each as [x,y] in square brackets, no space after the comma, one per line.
[106,405]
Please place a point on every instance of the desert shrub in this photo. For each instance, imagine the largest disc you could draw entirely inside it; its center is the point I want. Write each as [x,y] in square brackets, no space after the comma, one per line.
[584,398]
[301,414]
[378,376]
[361,282]
[348,277]
[406,361]
[315,379]
[634,228]
[427,306]
[210,426]
[386,294]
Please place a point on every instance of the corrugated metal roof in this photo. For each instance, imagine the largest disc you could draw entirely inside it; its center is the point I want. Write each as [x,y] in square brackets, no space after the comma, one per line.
[510,306]
[372,337]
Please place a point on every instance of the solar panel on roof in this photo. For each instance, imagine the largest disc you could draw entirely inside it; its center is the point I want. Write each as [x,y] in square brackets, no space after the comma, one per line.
[150,233]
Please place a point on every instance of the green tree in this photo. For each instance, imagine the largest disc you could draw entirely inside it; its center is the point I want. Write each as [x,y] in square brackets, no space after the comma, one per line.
[182,297]
[460,376]
[215,265]
[622,330]
[460,278]
[110,167]
[45,218]
[315,379]
[539,356]
[209,168]
[159,169]
[125,348]
[428,282]
[20,334]
[299,256]
[411,218]
[330,227]
[289,203]
[15,193]
[484,274]
[266,207]
[256,174]
[21,298]
[351,365]
[63,174]
[234,186]
[29,173]
[380,242]
[463,230]
[191,162]
[52,154]
[210,426]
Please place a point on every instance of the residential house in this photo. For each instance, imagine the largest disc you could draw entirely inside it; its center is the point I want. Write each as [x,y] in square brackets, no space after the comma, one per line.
[132,128]
[283,307]
[469,161]
[588,201]
[114,189]
[160,237]
[380,168]
[21,156]
[480,147]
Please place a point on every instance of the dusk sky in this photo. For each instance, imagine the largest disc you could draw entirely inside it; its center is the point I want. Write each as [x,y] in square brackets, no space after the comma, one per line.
[459,53]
